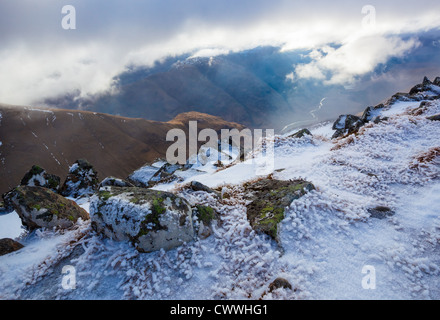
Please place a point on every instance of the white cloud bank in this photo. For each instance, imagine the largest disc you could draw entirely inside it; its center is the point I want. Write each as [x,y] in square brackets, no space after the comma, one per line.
[39,59]
[353,59]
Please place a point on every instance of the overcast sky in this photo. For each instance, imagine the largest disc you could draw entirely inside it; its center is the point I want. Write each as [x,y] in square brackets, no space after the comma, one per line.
[38,58]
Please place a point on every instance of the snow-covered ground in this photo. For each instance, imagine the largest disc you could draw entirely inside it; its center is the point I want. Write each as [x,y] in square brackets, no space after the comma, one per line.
[327,239]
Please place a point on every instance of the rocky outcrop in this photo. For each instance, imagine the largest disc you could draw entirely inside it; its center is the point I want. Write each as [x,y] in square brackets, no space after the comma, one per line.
[269,198]
[37,177]
[346,124]
[81,181]
[150,219]
[435,117]
[301,133]
[114,182]
[423,87]
[148,176]
[42,208]
[197,186]
[8,245]
[349,124]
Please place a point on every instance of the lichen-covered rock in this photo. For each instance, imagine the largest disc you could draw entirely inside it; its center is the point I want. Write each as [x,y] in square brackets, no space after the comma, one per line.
[8,245]
[38,177]
[81,181]
[269,198]
[206,217]
[150,219]
[40,207]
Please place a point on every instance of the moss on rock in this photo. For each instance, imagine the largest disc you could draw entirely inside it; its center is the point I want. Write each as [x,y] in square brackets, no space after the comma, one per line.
[269,199]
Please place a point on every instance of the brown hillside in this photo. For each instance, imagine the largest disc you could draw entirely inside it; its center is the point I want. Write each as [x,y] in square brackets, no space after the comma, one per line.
[55,138]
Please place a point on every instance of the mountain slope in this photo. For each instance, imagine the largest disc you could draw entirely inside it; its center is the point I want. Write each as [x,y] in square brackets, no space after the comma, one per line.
[330,240]
[54,139]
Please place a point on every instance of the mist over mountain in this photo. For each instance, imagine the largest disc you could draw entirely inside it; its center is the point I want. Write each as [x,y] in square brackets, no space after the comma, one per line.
[257,87]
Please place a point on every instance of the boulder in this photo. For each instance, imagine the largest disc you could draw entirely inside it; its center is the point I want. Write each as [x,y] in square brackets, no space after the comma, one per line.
[81,181]
[150,219]
[301,133]
[8,245]
[37,177]
[269,198]
[42,208]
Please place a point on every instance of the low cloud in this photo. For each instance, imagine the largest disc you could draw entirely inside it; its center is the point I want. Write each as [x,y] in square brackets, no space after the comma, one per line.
[343,65]
[39,59]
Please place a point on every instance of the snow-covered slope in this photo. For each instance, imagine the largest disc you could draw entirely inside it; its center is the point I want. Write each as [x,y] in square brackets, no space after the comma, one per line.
[327,240]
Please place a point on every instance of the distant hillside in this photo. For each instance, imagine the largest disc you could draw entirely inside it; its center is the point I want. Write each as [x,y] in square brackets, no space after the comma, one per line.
[56,138]
[254,87]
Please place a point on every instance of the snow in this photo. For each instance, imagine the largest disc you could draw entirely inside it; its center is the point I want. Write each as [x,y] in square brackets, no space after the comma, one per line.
[10,225]
[327,238]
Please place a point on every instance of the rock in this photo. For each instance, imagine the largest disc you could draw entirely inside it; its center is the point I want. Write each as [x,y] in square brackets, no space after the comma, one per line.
[424,86]
[37,177]
[81,181]
[197,186]
[150,219]
[437,81]
[426,81]
[165,174]
[42,208]
[346,124]
[400,96]
[372,113]
[380,212]
[269,198]
[206,216]
[435,117]
[8,245]
[280,283]
[301,133]
[115,182]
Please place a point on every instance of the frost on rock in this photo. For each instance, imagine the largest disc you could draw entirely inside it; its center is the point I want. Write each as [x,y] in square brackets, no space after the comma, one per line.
[151,220]
[81,181]
[269,199]
[37,177]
